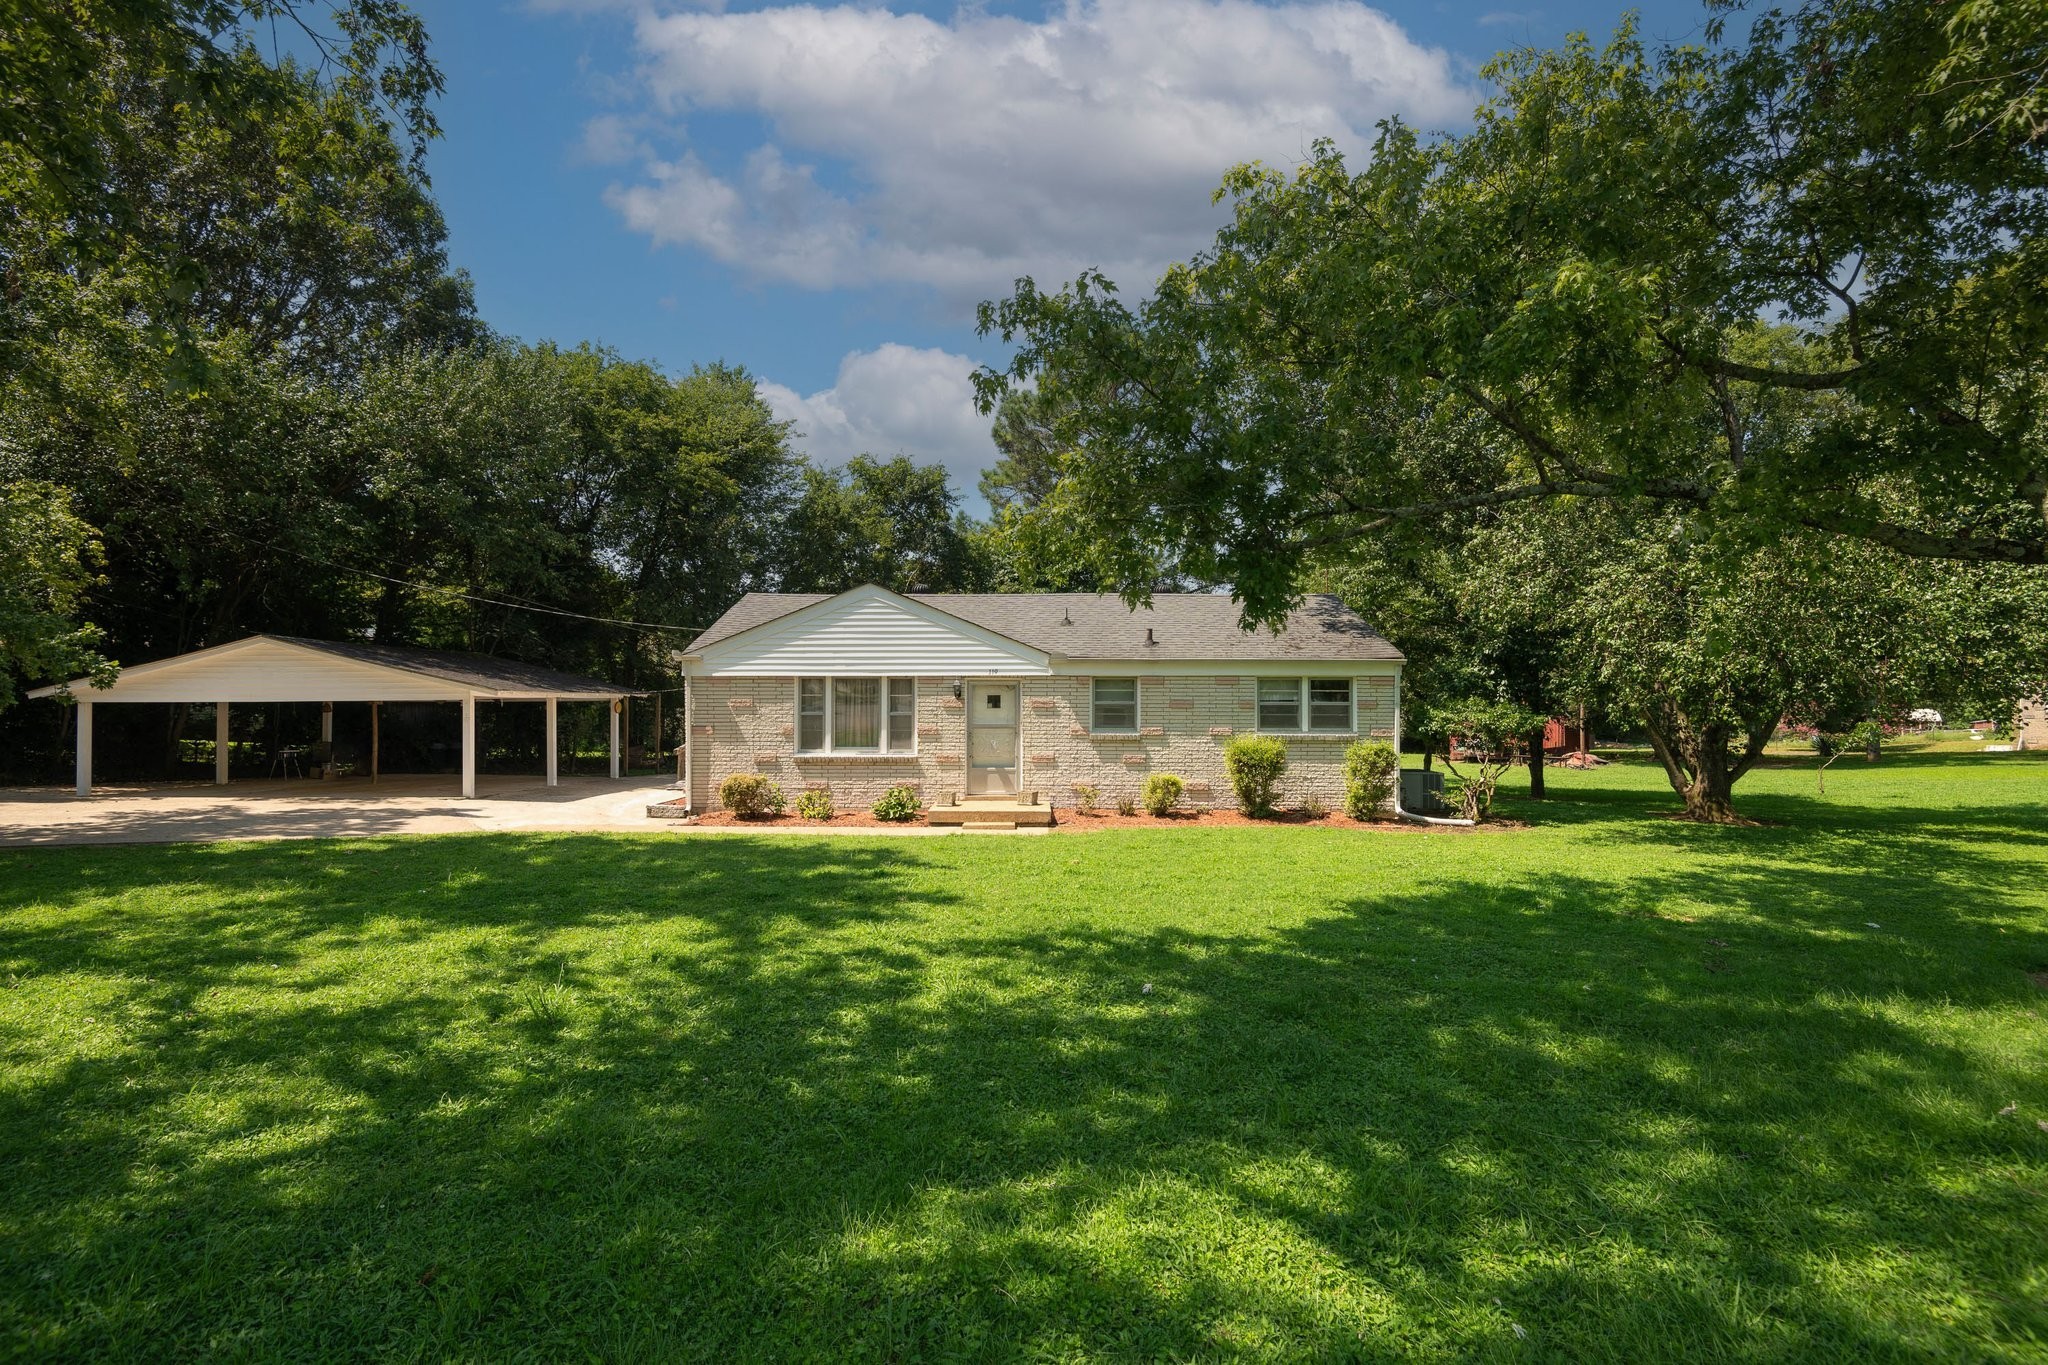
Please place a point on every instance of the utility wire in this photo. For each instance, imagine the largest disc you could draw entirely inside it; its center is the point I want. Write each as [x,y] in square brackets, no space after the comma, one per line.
[473,597]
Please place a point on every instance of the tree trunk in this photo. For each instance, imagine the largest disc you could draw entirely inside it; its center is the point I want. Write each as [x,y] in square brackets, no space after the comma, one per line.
[1699,767]
[1709,797]
[1536,765]
[174,737]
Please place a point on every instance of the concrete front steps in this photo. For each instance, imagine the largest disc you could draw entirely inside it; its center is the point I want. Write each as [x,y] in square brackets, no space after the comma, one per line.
[1003,812]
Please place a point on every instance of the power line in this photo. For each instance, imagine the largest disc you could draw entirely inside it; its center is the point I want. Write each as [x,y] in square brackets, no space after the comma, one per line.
[473,597]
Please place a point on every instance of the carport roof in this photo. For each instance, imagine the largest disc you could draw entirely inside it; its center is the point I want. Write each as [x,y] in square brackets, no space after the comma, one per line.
[484,672]
[478,673]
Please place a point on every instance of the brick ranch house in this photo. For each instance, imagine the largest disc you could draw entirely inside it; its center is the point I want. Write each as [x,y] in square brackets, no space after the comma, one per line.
[960,694]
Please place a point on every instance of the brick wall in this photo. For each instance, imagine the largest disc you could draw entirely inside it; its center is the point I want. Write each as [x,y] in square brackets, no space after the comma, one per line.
[1183,724]
[748,725]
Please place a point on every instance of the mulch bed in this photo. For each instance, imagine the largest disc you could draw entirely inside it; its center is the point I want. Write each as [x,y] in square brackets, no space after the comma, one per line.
[1085,822]
[843,819]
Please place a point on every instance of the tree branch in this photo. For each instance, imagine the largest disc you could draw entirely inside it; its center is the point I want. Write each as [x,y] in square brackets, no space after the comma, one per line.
[1917,544]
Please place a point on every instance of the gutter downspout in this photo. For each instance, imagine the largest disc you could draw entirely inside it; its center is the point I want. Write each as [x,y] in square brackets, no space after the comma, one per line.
[1398,810]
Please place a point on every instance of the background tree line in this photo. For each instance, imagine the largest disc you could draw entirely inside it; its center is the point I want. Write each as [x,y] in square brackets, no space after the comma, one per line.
[243,389]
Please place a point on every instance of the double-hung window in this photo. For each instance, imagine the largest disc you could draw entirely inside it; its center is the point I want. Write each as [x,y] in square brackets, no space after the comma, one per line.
[1114,708]
[1305,705]
[856,715]
[1329,704]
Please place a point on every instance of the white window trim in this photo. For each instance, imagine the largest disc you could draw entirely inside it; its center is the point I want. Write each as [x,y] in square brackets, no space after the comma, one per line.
[1302,727]
[1137,705]
[831,750]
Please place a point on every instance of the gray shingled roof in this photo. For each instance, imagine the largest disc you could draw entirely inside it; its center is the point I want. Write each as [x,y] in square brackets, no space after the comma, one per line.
[1086,625]
[481,671]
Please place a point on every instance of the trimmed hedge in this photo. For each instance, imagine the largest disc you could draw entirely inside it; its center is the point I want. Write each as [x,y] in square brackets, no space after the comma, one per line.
[1162,792]
[751,794]
[1255,764]
[1371,768]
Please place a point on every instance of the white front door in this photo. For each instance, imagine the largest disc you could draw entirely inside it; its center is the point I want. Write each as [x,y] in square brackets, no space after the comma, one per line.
[991,738]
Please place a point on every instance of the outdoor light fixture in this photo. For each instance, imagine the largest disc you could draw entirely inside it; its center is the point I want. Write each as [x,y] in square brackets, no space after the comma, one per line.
[956,688]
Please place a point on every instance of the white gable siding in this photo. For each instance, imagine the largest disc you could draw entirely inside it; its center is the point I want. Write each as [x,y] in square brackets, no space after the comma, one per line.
[267,670]
[873,634]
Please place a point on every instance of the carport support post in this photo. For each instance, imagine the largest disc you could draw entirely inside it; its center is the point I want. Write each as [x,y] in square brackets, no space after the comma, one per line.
[554,763]
[85,748]
[617,706]
[327,738]
[469,748]
[220,744]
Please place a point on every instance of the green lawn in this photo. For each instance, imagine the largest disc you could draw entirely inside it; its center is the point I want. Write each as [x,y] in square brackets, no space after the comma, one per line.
[1612,1087]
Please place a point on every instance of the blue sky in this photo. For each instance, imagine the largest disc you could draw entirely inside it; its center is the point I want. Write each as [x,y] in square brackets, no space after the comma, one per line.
[823,193]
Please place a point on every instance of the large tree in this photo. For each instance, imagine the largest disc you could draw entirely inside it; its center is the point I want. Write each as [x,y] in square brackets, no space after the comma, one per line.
[1026,433]
[102,98]
[893,522]
[1790,282]
[1707,644]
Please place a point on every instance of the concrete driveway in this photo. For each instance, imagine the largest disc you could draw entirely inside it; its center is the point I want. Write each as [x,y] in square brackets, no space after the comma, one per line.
[308,809]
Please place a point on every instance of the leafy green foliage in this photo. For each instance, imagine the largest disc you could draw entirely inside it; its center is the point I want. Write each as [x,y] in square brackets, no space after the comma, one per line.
[888,522]
[1565,302]
[46,556]
[898,805]
[105,97]
[751,794]
[1371,767]
[1255,764]
[1086,796]
[814,803]
[1161,793]
[1707,645]
[1028,468]
[431,500]
[1493,736]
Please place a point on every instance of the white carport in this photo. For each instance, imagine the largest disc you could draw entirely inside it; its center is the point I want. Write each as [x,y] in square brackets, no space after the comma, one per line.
[282,668]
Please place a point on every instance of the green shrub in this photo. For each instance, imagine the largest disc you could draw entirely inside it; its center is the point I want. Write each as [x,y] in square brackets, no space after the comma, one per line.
[1370,770]
[815,804]
[1255,764]
[1127,805]
[1313,807]
[750,794]
[1471,794]
[1161,793]
[1086,798]
[898,804]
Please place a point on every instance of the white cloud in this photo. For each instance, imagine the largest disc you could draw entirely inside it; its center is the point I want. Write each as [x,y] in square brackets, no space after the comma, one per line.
[959,154]
[893,400]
